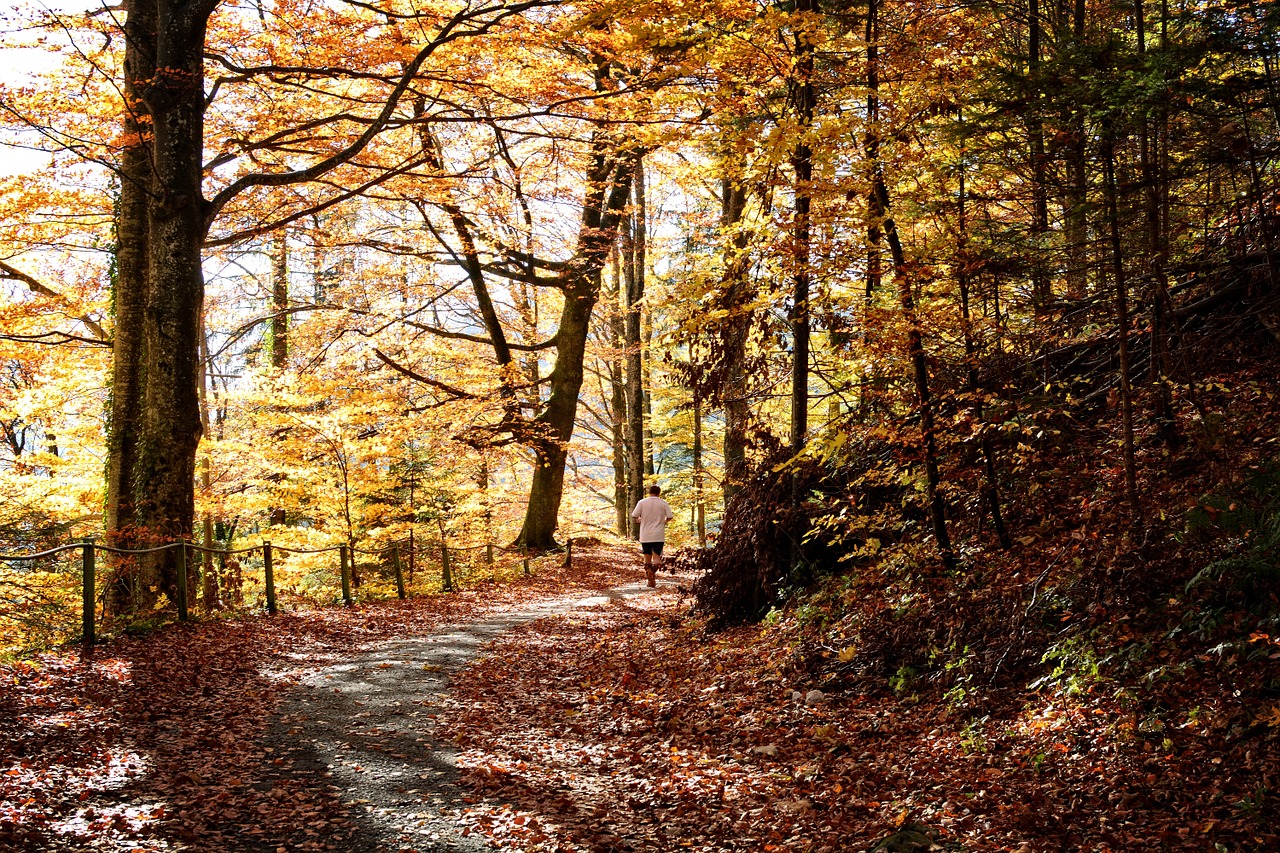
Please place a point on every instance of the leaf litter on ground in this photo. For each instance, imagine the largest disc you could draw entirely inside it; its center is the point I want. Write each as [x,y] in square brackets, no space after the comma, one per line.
[155,742]
[623,726]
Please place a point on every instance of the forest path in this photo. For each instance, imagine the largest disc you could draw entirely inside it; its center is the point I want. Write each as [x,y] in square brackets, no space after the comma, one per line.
[363,728]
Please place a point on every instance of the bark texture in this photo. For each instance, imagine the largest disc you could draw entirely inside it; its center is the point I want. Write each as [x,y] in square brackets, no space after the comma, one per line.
[159,292]
[733,331]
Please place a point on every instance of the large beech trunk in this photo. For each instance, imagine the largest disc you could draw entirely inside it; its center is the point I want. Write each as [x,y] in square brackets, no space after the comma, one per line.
[609,179]
[159,291]
[557,419]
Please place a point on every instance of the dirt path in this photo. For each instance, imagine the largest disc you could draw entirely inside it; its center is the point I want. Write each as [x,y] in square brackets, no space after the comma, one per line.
[363,729]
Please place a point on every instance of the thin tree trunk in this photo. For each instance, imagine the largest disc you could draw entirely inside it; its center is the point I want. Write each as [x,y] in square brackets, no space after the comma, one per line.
[279,320]
[1161,394]
[990,485]
[920,372]
[802,163]
[1077,215]
[209,587]
[699,476]
[640,254]
[1122,325]
[880,204]
[871,145]
[633,276]
[621,497]
[618,407]
[280,299]
[1040,283]
[733,337]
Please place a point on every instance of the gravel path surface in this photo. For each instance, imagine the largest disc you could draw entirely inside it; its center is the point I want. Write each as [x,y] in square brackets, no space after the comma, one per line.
[364,730]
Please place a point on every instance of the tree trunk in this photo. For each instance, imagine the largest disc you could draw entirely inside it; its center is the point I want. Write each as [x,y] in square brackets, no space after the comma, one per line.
[733,338]
[279,320]
[1040,283]
[280,299]
[633,275]
[618,407]
[920,371]
[129,302]
[699,500]
[991,485]
[651,467]
[1122,324]
[871,145]
[621,497]
[640,250]
[557,419]
[609,180]
[1149,152]
[209,587]
[915,344]
[802,163]
[175,300]
[151,473]
[1076,214]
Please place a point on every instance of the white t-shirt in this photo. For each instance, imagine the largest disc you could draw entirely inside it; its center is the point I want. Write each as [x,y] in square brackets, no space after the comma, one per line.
[653,513]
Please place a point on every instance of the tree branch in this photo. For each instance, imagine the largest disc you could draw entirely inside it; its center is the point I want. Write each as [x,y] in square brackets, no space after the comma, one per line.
[447,33]
[35,286]
[456,393]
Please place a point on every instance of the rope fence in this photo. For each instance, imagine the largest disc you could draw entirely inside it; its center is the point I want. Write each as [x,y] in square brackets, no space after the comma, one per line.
[346,562]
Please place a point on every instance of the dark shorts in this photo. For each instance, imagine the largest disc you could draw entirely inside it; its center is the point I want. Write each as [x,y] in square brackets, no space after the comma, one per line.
[651,547]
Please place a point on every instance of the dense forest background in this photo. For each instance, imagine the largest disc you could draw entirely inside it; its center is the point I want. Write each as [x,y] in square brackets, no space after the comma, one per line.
[949,330]
[924,289]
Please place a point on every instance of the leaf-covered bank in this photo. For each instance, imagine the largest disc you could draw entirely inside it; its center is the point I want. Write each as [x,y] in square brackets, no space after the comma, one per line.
[632,728]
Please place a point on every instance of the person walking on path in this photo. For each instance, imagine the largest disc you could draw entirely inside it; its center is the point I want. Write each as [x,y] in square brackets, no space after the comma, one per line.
[652,513]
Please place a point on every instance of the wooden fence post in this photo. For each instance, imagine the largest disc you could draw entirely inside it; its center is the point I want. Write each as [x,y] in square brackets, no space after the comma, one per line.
[269,577]
[183,615]
[446,576]
[395,564]
[526,561]
[346,573]
[568,553]
[90,592]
